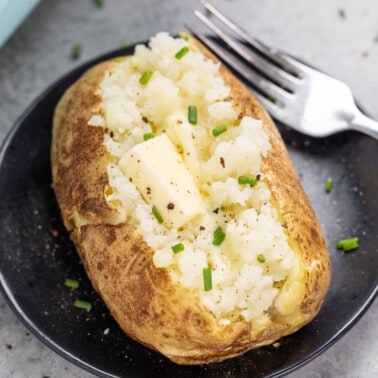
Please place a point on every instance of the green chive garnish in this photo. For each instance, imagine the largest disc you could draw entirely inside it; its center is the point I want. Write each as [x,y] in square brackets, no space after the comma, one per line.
[184,36]
[74,284]
[157,215]
[219,130]
[178,248]
[218,236]
[347,244]
[181,53]
[76,51]
[192,115]
[79,303]
[341,13]
[148,136]
[247,180]
[126,43]
[98,3]
[207,279]
[261,258]
[146,77]
[278,284]
[329,183]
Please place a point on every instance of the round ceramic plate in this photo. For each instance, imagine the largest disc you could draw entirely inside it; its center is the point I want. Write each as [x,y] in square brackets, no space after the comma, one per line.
[37,256]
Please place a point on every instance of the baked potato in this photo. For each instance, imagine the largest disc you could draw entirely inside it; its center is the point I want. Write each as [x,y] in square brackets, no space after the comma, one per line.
[184,206]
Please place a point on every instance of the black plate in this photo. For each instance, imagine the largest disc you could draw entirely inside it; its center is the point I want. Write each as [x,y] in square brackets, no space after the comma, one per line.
[37,255]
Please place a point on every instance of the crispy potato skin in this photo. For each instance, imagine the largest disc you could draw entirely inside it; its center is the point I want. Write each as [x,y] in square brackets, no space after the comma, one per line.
[142,298]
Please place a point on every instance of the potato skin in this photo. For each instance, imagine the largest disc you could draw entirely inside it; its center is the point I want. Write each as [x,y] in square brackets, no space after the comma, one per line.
[142,298]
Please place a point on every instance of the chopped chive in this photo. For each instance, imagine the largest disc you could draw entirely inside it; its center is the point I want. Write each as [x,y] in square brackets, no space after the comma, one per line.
[271,99]
[178,248]
[74,284]
[218,236]
[181,53]
[184,36]
[146,77]
[148,136]
[347,244]
[84,305]
[247,180]
[98,3]
[157,215]
[329,183]
[76,51]
[278,284]
[219,130]
[342,13]
[192,115]
[207,279]
[261,258]
[126,43]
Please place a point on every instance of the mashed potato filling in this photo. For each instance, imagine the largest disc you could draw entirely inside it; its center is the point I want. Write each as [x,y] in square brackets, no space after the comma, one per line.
[255,274]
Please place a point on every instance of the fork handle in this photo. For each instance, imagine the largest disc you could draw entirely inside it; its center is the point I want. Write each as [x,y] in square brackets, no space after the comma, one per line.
[364,124]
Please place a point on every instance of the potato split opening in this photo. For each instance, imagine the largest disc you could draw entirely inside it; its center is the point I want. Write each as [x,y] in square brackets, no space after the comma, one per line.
[256,275]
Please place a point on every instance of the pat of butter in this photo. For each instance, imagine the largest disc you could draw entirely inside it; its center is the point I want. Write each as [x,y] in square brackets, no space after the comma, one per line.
[159,173]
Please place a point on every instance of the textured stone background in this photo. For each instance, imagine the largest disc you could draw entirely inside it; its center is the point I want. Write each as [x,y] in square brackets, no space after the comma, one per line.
[339,37]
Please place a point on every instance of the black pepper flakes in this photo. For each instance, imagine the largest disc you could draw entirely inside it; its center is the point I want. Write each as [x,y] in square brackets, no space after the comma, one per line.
[170,206]
[145,119]
[222,162]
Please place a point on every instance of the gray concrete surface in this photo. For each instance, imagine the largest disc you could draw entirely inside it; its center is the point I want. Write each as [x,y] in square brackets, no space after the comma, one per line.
[340,37]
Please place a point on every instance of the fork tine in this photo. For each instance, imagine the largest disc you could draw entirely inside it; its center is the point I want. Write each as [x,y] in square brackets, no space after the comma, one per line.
[259,46]
[266,87]
[278,75]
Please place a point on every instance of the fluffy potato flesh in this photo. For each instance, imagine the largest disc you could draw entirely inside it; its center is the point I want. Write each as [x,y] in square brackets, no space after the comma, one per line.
[154,198]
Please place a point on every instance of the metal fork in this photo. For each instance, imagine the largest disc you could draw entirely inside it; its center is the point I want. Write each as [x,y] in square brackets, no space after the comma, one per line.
[292,92]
